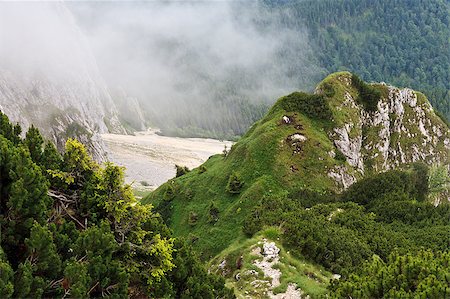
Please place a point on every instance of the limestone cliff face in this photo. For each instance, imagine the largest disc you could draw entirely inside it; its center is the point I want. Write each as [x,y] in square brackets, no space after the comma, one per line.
[49,78]
[403,129]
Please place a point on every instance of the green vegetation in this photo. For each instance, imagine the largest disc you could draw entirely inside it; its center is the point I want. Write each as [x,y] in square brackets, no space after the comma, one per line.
[382,41]
[368,95]
[421,274]
[181,170]
[234,184]
[275,181]
[312,105]
[70,227]
[342,233]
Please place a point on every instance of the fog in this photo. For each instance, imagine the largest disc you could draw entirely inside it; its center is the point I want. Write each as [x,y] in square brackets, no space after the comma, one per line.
[42,40]
[196,63]
[212,67]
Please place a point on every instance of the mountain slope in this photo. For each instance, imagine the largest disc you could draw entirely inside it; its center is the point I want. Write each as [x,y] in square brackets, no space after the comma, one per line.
[309,145]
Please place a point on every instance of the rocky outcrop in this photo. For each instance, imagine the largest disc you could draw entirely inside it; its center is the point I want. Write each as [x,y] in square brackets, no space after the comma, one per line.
[270,258]
[403,129]
[49,78]
[131,112]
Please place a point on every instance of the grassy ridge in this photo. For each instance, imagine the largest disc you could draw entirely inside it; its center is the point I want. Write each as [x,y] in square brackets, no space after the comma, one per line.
[264,159]
[290,151]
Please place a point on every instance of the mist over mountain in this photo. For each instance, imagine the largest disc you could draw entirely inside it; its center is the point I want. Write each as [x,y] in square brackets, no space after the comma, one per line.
[49,77]
[214,66]
[340,190]
[210,69]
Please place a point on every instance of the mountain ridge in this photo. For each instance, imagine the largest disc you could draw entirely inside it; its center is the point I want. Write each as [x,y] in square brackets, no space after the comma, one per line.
[300,148]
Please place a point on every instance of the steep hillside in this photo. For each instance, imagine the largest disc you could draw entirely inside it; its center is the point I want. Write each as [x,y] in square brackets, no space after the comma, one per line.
[49,77]
[309,146]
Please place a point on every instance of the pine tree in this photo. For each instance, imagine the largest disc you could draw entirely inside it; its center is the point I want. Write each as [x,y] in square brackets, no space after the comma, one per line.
[34,142]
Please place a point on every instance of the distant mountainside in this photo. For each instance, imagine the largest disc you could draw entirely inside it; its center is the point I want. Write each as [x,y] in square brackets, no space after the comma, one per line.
[49,78]
[401,42]
[208,87]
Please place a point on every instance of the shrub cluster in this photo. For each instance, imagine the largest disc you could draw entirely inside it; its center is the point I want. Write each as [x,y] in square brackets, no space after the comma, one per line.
[368,95]
[71,228]
[234,184]
[376,216]
[312,105]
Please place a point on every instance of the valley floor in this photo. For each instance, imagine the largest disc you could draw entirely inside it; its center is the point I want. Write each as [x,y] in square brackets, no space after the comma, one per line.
[150,158]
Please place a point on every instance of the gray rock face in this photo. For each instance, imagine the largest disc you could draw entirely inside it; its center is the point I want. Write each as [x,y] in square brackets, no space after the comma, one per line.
[408,130]
[350,147]
[49,78]
[403,129]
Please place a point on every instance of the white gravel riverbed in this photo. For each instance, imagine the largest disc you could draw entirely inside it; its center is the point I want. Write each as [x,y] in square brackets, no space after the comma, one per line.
[151,158]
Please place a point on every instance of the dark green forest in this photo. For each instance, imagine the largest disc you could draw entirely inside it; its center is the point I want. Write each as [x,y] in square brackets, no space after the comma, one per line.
[404,43]
[72,228]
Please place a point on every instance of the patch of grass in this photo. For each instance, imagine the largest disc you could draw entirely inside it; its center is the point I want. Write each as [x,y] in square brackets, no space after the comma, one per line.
[312,279]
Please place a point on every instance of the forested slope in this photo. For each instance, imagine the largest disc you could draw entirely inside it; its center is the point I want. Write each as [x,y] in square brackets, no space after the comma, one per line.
[405,43]
[70,227]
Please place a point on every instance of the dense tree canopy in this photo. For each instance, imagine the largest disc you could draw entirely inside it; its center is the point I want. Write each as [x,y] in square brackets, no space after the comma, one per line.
[70,227]
[403,43]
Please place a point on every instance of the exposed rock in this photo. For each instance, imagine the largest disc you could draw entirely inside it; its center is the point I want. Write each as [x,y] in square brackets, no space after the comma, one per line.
[334,213]
[223,268]
[350,147]
[270,254]
[341,176]
[296,140]
[270,258]
[403,129]
[297,137]
[292,292]
[270,250]
[286,119]
[336,276]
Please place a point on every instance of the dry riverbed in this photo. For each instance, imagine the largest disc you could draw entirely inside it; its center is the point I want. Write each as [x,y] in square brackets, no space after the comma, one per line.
[150,159]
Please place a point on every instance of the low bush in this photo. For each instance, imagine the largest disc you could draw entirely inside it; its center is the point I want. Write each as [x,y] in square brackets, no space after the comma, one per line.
[368,95]
[312,105]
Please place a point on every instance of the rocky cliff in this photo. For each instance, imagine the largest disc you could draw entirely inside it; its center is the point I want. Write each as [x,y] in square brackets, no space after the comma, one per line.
[401,130]
[48,76]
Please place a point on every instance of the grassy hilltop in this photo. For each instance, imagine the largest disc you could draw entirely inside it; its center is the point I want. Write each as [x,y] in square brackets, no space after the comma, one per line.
[352,171]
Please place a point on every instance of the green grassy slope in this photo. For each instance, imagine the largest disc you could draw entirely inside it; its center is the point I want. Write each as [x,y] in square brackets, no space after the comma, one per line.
[278,157]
